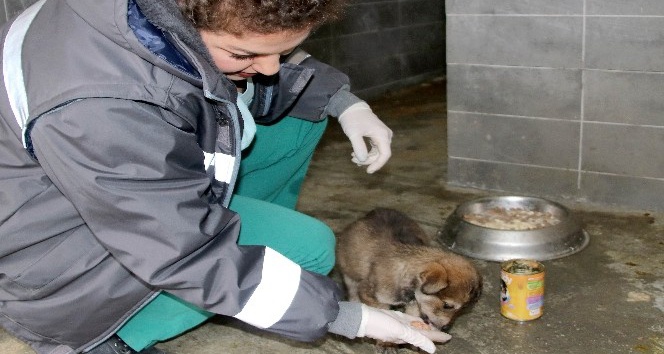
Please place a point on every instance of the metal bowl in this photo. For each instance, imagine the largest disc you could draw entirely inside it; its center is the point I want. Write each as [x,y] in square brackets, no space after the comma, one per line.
[550,242]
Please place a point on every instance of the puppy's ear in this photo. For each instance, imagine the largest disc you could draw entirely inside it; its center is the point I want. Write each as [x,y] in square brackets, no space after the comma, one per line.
[433,278]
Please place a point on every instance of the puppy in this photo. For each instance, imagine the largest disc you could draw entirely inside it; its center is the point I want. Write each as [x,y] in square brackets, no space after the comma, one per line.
[386,262]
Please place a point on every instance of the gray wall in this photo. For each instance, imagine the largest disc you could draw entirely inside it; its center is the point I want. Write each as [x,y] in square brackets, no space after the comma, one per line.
[381,44]
[562,99]
[385,44]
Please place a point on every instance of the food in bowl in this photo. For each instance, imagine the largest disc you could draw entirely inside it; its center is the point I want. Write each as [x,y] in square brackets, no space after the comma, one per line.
[511,219]
[566,236]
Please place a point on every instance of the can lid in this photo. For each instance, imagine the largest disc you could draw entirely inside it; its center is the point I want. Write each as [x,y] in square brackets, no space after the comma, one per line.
[522,266]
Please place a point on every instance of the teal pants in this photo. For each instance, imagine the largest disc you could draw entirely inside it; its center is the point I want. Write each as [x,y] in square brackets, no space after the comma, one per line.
[271,175]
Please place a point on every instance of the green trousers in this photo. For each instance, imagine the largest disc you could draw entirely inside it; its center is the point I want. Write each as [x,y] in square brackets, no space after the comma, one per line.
[271,175]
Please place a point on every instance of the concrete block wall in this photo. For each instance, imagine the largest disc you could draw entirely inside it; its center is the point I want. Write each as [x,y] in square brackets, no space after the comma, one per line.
[561,99]
[384,44]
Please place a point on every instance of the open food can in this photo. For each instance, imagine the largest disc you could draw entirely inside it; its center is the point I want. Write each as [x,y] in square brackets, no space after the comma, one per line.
[521,289]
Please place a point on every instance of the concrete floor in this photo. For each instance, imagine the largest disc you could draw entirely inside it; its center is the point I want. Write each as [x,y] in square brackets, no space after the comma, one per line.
[608,298]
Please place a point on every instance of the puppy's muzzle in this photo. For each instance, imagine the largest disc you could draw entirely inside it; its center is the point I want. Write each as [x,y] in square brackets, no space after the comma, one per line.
[426,320]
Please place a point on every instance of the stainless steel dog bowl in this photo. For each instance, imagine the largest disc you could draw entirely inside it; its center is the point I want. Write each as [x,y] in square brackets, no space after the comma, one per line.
[550,242]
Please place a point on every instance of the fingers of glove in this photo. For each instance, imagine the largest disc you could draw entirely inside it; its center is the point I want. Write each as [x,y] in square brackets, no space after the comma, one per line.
[383,154]
[395,327]
[371,157]
[435,335]
[359,123]
[359,149]
[381,324]
[418,339]
[376,158]
[404,317]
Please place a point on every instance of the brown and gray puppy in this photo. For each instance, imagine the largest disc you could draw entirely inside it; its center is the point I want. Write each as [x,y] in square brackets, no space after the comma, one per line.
[386,262]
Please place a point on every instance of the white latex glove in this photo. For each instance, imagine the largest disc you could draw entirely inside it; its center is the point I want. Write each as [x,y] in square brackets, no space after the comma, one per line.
[394,327]
[359,121]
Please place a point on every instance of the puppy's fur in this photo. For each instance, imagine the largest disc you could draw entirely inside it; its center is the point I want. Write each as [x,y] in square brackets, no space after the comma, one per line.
[386,262]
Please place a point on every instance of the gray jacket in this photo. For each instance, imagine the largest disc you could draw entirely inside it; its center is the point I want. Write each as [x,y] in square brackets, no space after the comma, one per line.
[116,168]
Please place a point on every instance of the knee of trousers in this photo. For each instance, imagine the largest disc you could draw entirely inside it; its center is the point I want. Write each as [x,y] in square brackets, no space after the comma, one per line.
[324,240]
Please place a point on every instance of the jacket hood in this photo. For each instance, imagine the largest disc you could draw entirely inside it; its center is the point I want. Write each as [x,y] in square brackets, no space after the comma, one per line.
[166,15]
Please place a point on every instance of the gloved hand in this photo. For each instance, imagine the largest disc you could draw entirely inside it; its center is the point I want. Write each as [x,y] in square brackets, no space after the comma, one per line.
[359,121]
[394,327]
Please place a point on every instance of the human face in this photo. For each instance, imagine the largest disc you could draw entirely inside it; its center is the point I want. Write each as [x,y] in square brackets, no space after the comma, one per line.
[241,57]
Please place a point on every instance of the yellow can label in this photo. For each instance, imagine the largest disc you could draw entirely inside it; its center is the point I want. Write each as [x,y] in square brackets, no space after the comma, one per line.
[522,289]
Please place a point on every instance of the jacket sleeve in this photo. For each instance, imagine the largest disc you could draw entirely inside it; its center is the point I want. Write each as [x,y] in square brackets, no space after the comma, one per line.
[326,94]
[135,173]
[305,88]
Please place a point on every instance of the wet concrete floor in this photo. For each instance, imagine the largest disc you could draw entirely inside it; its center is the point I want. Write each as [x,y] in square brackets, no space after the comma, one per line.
[608,298]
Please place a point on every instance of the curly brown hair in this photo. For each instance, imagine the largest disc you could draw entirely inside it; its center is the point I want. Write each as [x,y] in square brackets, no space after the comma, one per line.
[260,16]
